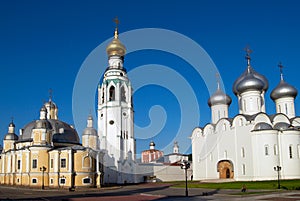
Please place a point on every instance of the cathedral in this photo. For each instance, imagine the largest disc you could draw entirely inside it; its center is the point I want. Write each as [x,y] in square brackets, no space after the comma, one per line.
[48,153]
[253,145]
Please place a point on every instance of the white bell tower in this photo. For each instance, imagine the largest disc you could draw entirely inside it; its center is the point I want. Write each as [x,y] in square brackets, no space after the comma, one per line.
[115,109]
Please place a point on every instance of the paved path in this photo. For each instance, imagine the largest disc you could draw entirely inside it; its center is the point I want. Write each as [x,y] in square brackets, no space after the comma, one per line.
[150,191]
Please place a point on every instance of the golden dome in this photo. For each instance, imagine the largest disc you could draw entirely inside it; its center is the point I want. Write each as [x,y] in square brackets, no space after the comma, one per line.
[115,47]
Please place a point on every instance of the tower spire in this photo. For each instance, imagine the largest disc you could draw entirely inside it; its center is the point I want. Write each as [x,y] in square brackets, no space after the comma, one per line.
[248,58]
[280,66]
[50,94]
[116,20]
[218,81]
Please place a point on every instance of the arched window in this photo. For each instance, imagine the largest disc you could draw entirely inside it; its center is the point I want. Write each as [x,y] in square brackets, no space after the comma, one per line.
[86,161]
[123,94]
[112,93]
[243,152]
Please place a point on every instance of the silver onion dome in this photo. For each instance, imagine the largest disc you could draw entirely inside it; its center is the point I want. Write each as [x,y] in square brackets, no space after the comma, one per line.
[248,83]
[262,126]
[250,79]
[218,98]
[283,89]
[152,143]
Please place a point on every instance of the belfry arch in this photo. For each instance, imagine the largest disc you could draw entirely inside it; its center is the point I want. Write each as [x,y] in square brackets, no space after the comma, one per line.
[225,169]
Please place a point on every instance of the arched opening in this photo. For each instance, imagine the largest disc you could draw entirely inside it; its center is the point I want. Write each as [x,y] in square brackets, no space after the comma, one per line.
[225,169]
[112,93]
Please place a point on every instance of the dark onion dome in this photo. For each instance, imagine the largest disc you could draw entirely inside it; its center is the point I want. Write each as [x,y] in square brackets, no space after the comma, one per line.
[152,143]
[283,89]
[262,126]
[115,47]
[219,98]
[250,80]
[281,126]
[61,132]
[11,136]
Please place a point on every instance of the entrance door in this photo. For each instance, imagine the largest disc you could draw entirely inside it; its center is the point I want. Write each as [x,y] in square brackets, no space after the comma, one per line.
[225,169]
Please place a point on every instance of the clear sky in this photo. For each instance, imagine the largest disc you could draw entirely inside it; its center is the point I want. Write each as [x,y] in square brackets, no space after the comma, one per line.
[43,45]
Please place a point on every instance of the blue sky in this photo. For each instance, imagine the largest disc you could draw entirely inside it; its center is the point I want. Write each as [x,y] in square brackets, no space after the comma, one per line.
[44,43]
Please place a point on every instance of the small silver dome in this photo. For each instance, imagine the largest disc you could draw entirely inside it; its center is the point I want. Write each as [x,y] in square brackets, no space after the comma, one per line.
[283,89]
[11,136]
[50,104]
[250,79]
[218,98]
[262,126]
[43,123]
[281,126]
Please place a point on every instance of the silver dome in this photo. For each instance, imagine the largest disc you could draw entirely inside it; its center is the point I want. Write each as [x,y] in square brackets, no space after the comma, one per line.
[219,97]
[283,89]
[43,123]
[69,134]
[250,79]
[50,104]
[11,136]
[262,126]
[281,126]
[152,143]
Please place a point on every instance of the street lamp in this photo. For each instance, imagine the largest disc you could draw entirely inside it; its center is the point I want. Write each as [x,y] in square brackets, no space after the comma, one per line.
[43,169]
[278,168]
[185,165]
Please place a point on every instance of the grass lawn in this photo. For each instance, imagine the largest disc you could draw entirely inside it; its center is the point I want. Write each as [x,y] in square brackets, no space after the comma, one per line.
[285,184]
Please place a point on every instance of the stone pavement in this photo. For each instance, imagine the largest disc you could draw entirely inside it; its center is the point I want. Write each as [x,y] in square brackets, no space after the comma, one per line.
[149,191]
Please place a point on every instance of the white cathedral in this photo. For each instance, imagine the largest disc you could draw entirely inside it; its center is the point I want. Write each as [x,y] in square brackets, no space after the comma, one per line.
[253,145]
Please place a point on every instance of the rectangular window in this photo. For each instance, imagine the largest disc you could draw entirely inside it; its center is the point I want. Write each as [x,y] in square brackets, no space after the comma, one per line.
[51,181]
[19,164]
[51,163]
[34,181]
[291,151]
[86,180]
[244,169]
[62,181]
[243,152]
[266,150]
[63,163]
[34,163]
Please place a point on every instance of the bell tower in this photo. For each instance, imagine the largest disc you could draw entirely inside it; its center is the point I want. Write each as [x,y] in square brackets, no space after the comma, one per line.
[115,108]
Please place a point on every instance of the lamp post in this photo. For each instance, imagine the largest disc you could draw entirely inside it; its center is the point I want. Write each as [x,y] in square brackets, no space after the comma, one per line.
[43,169]
[278,168]
[185,165]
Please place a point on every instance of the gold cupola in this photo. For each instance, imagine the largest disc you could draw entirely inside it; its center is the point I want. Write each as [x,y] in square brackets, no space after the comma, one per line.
[115,47]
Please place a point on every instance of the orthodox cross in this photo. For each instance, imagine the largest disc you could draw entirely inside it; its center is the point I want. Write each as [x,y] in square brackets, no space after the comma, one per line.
[280,66]
[248,52]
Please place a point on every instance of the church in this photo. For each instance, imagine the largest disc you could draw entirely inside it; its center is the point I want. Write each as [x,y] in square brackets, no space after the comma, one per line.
[253,145]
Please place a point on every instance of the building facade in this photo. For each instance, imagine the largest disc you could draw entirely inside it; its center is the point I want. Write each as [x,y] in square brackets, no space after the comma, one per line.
[250,145]
[48,153]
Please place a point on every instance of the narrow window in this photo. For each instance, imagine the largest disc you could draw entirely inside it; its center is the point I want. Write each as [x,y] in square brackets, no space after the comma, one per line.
[291,151]
[63,163]
[112,93]
[34,163]
[286,108]
[266,150]
[51,181]
[51,163]
[19,164]
[279,109]
[102,98]
[123,94]
[244,169]
[86,161]
[275,149]
[243,152]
